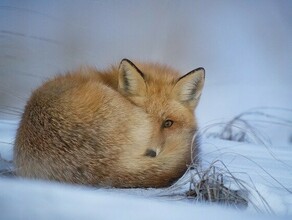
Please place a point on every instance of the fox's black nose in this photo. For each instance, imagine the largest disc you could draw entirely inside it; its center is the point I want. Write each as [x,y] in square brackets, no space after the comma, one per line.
[150,153]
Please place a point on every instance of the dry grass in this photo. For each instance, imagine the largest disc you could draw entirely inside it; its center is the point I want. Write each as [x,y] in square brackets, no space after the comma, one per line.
[243,127]
[208,186]
[217,185]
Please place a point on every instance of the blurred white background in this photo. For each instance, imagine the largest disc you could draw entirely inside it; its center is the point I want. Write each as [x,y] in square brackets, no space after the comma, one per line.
[243,45]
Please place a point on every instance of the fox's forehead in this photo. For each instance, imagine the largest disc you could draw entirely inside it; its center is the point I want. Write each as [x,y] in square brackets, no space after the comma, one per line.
[159,73]
[159,105]
[159,79]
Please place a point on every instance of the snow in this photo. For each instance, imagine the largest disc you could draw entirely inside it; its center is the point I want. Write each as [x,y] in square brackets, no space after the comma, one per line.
[56,201]
[246,49]
[265,169]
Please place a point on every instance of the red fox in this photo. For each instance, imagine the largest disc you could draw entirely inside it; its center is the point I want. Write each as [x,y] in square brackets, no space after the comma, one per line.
[129,126]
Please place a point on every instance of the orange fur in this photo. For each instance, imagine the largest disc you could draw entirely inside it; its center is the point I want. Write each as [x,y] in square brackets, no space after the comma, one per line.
[106,128]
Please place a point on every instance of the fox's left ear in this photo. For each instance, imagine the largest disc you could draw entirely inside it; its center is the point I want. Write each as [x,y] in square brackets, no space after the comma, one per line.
[131,79]
[188,88]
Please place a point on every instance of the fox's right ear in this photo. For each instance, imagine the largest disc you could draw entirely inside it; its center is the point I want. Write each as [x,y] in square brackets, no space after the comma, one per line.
[188,88]
[131,79]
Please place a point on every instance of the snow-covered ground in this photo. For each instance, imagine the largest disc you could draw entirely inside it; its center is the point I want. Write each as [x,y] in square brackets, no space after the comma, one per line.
[265,170]
[37,200]
[246,48]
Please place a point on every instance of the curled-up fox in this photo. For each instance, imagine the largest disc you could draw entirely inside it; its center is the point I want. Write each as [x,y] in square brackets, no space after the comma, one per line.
[131,125]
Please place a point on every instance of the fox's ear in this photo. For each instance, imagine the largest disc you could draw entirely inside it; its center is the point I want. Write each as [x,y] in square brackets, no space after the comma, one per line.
[131,79]
[188,88]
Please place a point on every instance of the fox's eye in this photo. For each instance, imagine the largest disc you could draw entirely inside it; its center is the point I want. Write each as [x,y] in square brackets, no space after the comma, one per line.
[167,123]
